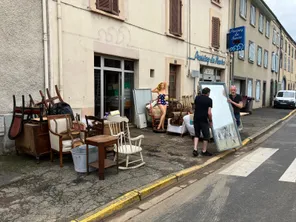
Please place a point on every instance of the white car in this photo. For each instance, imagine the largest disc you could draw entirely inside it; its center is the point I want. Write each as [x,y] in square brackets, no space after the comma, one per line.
[285,99]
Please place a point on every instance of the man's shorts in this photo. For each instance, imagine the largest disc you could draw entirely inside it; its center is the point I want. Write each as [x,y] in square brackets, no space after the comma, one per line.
[203,127]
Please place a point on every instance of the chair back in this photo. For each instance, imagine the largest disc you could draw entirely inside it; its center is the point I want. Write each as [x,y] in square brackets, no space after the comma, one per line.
[95,126]
[59,123]
[119,127]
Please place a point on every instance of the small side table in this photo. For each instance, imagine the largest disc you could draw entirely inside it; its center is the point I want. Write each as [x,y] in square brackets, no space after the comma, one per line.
[101,141]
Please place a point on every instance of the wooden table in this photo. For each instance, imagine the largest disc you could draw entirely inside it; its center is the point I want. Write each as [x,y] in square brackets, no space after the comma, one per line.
[101,141]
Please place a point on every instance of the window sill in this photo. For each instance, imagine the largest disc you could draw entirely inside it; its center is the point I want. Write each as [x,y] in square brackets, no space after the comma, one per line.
[259,65]
[250,61]
[174,36]
[261,32]
[119,17]
[267,36]
[242,59]
[243,17]
[217,4]
[266,67]
[254,26]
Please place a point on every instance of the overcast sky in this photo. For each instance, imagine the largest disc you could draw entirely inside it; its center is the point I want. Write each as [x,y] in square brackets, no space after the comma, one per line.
[285,10]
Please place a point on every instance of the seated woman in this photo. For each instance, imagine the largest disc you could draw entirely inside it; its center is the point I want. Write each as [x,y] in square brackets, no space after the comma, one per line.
[161,102]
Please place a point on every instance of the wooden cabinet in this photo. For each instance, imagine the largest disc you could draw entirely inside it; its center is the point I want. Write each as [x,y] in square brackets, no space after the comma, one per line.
[34,139]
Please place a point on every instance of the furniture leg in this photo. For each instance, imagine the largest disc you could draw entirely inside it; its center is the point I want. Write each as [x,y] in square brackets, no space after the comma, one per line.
[87,167]
[37,159]
[101,161]
[51,155]
[61,158]
[117,157]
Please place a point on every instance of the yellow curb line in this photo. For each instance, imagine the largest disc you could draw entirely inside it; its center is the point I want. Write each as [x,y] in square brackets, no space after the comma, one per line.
[141,193]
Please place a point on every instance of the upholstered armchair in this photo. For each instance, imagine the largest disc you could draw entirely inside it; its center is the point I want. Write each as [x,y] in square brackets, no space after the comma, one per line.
[63,135]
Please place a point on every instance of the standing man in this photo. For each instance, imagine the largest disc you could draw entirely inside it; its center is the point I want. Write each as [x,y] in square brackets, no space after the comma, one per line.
[202,120]
[237,103]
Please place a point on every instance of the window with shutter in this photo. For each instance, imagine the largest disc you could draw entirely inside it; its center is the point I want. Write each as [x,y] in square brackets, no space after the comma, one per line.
[111,6]
[215,32]
[176,17]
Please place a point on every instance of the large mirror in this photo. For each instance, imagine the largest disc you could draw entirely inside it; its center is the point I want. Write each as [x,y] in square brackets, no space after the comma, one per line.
[225,131]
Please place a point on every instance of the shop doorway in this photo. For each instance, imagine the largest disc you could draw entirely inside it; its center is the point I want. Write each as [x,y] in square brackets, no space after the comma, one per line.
[114,82]
[264,94]
[173,82]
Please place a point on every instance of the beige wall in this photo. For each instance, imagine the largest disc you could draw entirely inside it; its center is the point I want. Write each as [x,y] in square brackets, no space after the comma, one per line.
[140,33]
[243,69]
[289,75]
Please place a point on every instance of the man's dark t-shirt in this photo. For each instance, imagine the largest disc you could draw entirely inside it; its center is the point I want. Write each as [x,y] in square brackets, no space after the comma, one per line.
[236,99]
[202,104]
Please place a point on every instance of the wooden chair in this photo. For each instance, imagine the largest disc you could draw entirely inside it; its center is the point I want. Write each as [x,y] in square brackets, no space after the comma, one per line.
[94,126]
[127,146]
[63,137]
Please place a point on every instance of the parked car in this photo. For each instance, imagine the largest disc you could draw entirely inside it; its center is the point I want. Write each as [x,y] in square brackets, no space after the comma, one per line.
[285,99]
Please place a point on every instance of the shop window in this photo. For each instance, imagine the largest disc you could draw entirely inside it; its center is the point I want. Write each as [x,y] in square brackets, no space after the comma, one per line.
[253,15]
[97,61]
[112,63]
[251,51]
[250,88]
[243,8]
[111,6]
[175,15]
[258,90]
[216,32]
[128,65]
[259,56]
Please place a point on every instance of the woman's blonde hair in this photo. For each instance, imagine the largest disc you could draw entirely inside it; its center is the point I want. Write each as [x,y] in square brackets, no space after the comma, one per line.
[159,85]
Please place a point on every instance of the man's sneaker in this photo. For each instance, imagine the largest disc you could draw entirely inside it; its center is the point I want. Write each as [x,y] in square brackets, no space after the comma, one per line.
[195,153]
[206,153]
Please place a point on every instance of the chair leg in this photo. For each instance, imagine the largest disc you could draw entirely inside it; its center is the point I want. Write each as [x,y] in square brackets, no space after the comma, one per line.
[51,155]
[141,157]
[127,160]
[61,159]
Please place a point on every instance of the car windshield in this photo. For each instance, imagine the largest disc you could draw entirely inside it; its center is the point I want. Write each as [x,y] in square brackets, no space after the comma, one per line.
[286,94]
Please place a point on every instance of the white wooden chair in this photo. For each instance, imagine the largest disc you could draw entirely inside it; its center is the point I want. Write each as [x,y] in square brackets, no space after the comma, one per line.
[127,146]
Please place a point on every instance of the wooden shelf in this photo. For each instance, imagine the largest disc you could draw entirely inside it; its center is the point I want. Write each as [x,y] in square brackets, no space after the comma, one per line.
[108,163]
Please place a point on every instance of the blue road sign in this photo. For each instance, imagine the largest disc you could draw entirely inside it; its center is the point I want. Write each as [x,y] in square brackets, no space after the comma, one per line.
[236,39]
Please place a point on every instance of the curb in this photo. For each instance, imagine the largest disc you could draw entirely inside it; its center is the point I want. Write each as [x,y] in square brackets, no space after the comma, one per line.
[139,194]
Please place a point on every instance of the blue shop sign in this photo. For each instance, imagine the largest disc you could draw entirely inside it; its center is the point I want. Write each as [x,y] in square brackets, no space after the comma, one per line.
[236,39]
[203,58]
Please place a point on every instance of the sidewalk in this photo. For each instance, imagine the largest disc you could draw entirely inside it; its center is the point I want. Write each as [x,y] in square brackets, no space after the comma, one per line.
[44,192]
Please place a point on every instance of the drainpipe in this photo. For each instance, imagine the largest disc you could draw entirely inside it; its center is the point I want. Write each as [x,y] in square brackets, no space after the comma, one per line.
[280,59]
[50,64]
[232,64]
[60,47]
[45,45]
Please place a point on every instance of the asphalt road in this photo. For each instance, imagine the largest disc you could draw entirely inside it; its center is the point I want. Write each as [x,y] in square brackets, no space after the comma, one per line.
[258,186]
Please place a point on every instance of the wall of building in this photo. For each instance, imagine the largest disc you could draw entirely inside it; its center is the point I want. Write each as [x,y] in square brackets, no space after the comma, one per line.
[21,54]
[140,33]
[245,70]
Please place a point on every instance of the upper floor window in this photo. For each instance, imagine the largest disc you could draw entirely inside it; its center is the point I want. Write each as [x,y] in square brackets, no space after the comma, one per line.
[289,49]
[285,45]
[277,63]
[253,15]
[259,56]
[241,54]
[265,59]
[176,17]
[217,1]
[278,39]
[251,51]
[216,32]
[274,37]
[282,42]
[111,6]
[261,23]
[292,53]
[243,8]
[273,61]
[267,29]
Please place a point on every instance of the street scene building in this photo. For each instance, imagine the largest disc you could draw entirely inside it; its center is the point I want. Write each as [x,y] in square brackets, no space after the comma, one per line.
[120,46]
[160,109]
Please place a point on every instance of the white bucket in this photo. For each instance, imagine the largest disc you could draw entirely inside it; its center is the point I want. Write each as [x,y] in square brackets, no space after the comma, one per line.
[79,157]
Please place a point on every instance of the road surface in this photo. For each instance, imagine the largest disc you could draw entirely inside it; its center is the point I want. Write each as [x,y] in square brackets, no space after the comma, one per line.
[257,186]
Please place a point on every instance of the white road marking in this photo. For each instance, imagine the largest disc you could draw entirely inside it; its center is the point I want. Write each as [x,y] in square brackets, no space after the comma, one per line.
[249,163]
[290,173]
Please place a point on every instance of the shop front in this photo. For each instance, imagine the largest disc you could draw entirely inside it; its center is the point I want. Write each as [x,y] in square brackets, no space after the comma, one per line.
[113,82]
[211,66]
